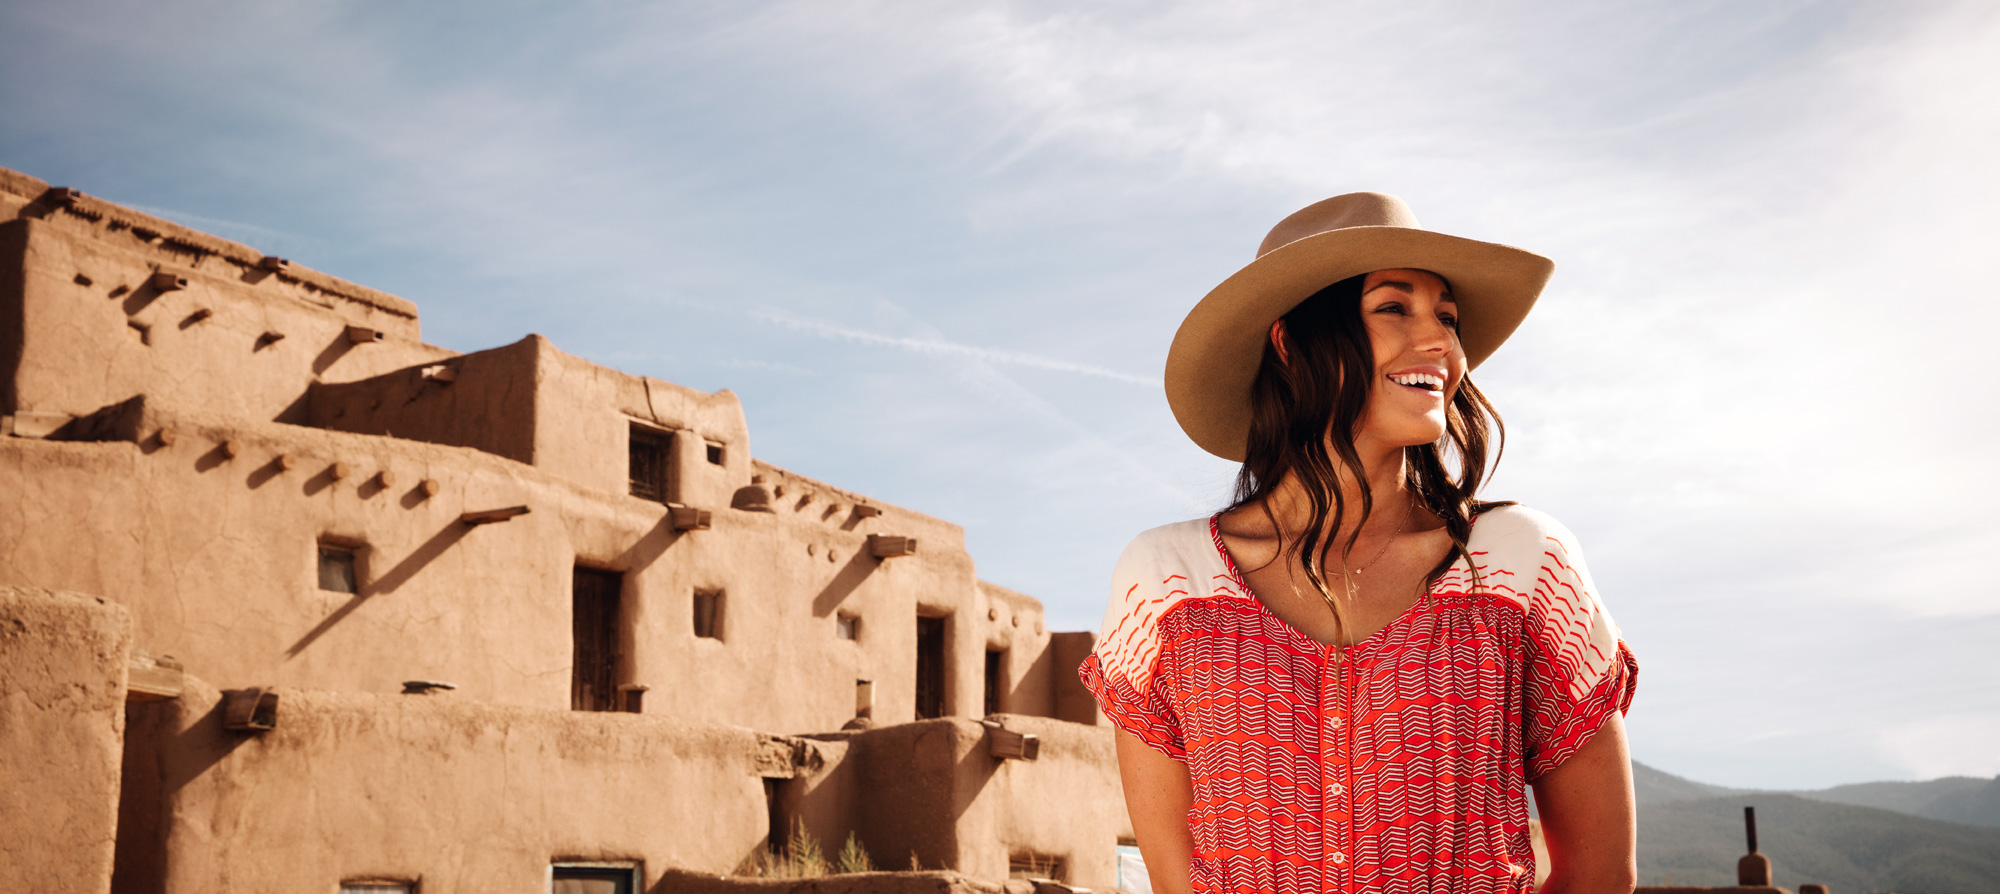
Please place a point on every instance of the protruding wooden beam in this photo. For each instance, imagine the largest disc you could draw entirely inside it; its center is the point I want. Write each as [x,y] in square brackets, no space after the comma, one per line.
[688,518]
[1006,744]
[163,281]
[491,516]
[150,679]
[362,335]
[886,546]
[250,710]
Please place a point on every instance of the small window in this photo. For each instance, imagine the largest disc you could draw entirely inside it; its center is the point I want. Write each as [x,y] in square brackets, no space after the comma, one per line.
[996,678]
[715,453]
[377,886]
[336,569]
[1028,865]
[593,878]
[708,610]
[650,451]
[847,626]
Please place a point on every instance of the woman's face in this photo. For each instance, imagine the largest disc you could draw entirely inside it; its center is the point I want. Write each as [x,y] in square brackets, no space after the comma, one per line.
[1412,323]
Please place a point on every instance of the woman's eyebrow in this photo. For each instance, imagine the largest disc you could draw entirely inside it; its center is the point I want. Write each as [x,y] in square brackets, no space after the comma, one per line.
[1409,289]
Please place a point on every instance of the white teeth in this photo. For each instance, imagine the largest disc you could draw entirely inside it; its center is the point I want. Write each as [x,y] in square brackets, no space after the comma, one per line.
[1425,380]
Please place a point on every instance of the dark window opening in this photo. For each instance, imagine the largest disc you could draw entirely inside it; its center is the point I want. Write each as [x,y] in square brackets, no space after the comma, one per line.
[930,668]
[996,678]
[336,569]
[586,879]
[594,632]
[708,610]
[1026,865]
[373,886]
[847,626]
[651,451]
[775,839]
[715,454]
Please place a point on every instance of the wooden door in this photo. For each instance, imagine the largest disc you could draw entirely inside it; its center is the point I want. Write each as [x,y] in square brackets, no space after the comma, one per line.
[594,630]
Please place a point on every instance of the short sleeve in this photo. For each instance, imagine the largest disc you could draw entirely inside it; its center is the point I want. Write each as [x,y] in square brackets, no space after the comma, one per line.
[1120,669]
[1578,669]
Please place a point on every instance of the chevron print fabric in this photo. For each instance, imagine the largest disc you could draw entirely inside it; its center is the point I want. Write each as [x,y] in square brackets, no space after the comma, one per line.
[1396,765]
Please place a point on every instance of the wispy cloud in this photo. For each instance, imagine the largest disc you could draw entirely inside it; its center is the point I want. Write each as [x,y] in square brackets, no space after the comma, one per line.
[936,347]
[248,234]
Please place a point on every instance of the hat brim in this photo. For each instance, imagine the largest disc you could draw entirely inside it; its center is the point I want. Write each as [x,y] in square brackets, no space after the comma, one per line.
[1214,358]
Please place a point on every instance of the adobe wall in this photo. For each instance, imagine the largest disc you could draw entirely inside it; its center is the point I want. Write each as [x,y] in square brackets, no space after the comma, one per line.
[534,403]
[81,325]
[1016,628]
[216,558]
[1072,702]
[215,553]
[62,699]
[933,791]
[186,452]
[461,796]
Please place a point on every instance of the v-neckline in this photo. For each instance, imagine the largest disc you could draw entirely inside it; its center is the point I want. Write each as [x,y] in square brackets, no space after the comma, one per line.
[1366,643]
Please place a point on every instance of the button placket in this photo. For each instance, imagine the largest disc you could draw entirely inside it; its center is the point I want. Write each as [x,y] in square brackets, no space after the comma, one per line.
[1333,759]
[1348,680]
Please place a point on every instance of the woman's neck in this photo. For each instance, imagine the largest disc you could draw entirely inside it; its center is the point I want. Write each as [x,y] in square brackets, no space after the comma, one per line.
[1383,476]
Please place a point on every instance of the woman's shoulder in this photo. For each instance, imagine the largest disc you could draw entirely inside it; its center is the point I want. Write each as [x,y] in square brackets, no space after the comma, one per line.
[1516,533]
[1178,541]
[1161,568]
[1525,555]
[1182,551]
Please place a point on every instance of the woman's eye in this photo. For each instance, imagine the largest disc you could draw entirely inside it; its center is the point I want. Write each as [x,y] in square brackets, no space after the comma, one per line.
[1450,320]
[1389,308]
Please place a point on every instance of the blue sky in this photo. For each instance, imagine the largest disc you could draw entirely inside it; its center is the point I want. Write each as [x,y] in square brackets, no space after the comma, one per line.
[939,250]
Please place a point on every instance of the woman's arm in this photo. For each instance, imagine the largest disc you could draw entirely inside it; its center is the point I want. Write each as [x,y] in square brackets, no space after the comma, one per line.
[1158,795]
[1587,817]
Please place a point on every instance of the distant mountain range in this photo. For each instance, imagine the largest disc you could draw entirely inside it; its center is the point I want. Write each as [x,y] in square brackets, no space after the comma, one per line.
[1936,837]
[1954,799]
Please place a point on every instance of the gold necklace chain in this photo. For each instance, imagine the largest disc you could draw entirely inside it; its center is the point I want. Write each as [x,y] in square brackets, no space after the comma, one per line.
[1409,510]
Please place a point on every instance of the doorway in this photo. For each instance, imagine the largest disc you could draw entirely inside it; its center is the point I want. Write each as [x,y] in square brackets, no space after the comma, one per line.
[930,668]
[594,636]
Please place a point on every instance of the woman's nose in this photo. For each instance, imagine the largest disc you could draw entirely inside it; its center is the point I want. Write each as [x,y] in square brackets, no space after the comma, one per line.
[1432,335]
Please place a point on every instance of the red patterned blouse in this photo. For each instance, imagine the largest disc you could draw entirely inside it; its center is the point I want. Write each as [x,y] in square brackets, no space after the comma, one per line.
[1398,766]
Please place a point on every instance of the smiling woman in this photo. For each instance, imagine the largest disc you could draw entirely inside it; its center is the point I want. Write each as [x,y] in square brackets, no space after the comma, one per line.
[1346,679]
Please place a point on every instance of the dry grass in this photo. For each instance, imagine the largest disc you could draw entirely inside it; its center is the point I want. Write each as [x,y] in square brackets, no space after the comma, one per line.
[803,857]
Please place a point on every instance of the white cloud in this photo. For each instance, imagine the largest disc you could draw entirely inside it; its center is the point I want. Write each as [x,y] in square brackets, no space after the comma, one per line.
[937,347]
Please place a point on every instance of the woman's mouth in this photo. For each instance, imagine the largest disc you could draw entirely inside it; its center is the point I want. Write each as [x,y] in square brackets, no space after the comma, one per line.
[1426,382]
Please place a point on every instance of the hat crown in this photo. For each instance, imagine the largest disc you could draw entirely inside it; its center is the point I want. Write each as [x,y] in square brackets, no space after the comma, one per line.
[1355,209]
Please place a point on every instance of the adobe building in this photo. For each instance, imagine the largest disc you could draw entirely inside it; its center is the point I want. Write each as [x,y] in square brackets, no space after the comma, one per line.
[358,612]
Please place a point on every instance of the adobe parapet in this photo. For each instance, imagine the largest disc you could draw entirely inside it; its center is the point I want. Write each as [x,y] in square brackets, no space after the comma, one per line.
[99,303]
[169,244]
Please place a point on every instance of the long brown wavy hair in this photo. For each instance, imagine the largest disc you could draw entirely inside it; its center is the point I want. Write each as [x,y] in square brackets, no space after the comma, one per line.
[1304,414]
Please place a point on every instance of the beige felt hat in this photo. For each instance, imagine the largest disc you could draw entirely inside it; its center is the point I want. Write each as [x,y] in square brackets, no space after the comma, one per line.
[1215,355]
